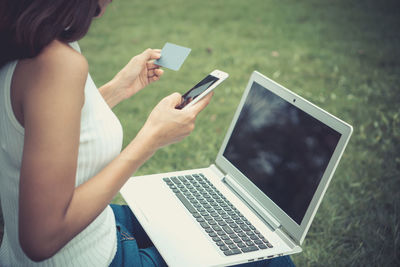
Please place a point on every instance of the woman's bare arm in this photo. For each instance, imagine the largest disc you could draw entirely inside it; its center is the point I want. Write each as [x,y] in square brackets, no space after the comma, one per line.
[136,75]
[51,210]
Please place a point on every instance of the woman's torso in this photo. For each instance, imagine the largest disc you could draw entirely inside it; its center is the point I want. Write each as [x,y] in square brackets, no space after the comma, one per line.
[100,142]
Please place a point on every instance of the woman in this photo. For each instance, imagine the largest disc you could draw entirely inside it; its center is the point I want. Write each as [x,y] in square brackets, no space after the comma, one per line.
[60,159]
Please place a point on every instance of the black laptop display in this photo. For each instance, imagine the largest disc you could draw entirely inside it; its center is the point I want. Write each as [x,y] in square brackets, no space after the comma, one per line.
[283,150]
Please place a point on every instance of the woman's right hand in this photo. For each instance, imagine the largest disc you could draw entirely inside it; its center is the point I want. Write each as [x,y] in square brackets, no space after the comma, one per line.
[167,125]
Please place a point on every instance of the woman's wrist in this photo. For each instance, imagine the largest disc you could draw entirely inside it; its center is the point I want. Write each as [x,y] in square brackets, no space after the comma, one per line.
[141,148]
[112,92]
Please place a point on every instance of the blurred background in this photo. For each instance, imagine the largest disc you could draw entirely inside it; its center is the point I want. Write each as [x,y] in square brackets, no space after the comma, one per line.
[342,55]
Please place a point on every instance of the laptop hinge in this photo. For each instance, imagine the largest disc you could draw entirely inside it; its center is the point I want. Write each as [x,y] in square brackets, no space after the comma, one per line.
[252,203]
[217,171]
[286,238]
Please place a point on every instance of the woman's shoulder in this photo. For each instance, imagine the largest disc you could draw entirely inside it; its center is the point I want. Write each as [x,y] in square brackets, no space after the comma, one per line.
[59,56]
[58,72]
[58,63]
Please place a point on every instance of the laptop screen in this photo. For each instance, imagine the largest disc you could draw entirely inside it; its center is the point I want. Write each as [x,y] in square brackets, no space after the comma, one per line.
[283,150]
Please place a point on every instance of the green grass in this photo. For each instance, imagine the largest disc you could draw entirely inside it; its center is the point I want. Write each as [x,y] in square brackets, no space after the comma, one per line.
[342,55]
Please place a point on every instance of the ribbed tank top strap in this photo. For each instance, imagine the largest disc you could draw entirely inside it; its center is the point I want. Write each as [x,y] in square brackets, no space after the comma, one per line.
[6,81]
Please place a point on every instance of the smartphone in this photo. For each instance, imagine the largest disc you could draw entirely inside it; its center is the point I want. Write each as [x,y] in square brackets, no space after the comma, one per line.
[201,89]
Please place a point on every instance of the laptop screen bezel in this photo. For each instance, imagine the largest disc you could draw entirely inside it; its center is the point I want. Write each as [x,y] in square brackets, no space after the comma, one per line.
[296,231]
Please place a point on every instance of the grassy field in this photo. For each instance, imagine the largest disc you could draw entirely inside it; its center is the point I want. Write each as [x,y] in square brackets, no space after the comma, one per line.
[341,55]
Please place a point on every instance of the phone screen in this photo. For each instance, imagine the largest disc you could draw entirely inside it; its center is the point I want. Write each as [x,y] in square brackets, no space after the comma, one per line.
[199,88]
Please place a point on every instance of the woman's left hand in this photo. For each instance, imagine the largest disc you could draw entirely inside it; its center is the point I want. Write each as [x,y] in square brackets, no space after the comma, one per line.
[137,74]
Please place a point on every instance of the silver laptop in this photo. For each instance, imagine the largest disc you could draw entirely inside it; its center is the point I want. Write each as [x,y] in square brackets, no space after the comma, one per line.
[258,199]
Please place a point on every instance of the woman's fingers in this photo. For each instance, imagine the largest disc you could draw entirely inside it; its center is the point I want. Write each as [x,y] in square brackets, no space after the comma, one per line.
[151,65]
[174,99]
[199,106]
[155,75]
[150,54]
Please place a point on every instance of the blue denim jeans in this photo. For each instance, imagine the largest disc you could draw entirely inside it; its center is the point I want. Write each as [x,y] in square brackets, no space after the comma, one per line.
[134,247]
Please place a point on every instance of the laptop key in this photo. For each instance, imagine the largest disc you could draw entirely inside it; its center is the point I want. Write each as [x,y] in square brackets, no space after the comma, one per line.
[220,233]
[220,243]
[210,210]
[258,242]
[232,252]
[249,249]
[233,246]
[222,223]
[246,239]
[233,225]
[228,252]
[175,179]
[216,239]
[204,225]
[241,245]
[242,234]
[225,237]
[254,237]
[197,205]
[212,234]
[209,218]
[218,219]
[249,243]
[244,227]
[224,248]
[237,240]
[222,213]
[216,228]
[227,229]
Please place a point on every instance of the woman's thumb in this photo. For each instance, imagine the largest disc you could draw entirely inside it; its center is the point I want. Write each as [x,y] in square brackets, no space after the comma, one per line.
[174,99]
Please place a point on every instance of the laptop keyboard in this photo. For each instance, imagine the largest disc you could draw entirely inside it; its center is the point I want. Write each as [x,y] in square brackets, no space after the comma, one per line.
[225,225]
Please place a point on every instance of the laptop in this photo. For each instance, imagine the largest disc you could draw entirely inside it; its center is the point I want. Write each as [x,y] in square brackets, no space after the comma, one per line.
[259,197]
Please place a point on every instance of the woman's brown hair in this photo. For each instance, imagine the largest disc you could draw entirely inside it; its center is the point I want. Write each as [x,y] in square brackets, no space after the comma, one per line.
[27,26]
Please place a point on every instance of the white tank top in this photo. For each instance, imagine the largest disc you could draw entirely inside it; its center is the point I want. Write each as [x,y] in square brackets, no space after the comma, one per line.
[100,142]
